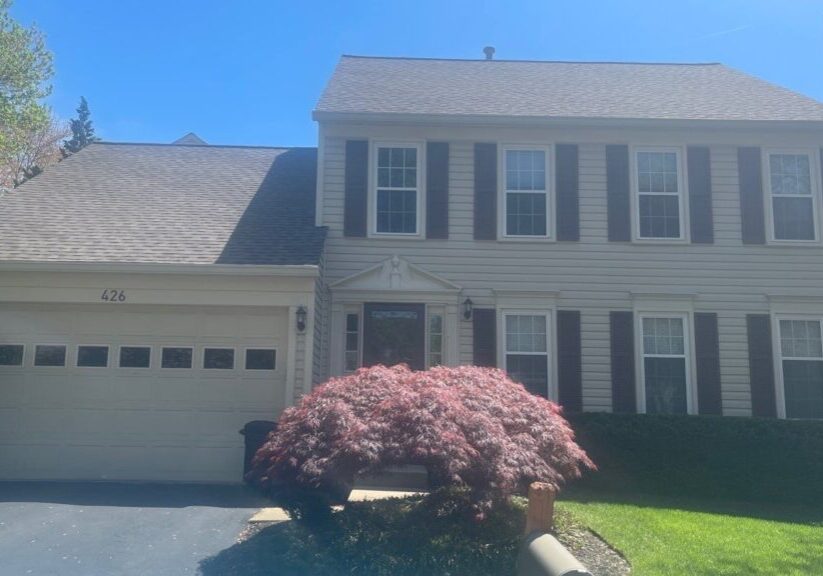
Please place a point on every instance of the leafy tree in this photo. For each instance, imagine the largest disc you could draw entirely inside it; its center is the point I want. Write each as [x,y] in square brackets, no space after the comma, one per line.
[25,71]
[472,428]
[40,149]
[82,130]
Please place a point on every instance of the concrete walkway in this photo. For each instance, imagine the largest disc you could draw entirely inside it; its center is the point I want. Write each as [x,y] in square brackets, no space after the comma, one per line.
[275,514]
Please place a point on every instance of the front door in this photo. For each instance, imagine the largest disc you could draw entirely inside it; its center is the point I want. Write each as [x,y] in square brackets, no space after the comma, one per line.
[394,334]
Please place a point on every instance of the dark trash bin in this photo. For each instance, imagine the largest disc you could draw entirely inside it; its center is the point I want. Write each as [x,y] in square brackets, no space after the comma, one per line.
[255,432]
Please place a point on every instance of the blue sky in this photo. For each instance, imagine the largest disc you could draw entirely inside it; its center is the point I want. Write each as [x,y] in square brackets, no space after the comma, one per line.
[250,71]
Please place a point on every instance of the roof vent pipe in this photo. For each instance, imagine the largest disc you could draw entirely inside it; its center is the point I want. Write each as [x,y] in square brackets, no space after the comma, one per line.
[489,52]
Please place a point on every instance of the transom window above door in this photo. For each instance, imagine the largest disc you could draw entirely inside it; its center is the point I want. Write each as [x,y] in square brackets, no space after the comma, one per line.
[526,202]
[793,196]
[659,194]
[397,194]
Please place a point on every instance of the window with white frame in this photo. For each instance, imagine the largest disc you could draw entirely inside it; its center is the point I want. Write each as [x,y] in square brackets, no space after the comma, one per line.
[351,354]
[665,350]
[397,196]
[659,192]
[793,196]
[526,200]
[801,353]
[435,352]
[527,350]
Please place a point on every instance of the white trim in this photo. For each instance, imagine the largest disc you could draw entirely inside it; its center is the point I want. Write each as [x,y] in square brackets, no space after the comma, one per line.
[321,174]
[215,347]
[682,191]
[77,347]
[245,350]
[65,363]
[502,192]
[151,356]
[302,270]
[193,359]
[22,358]
[549,313]
[688,349]
[420,191]
[768,196]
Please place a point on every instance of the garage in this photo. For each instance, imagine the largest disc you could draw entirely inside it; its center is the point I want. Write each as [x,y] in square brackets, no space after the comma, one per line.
[145,393]
[150,307]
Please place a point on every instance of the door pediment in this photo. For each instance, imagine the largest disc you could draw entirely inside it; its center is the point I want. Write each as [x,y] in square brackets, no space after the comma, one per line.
[395,274]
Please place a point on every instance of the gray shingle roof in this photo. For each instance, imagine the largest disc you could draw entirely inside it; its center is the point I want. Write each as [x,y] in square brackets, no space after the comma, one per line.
[167,204]
[558,90]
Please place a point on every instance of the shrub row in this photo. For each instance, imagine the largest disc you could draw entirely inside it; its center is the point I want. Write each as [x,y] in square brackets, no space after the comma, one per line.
[748,459]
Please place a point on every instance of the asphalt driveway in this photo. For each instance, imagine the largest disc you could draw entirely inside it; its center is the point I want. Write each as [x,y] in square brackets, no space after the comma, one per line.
[86,529]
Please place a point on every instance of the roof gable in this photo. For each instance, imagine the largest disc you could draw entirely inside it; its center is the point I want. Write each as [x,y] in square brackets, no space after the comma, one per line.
[591,90]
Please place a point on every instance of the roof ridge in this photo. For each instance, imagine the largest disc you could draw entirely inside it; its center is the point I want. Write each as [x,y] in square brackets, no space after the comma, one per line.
[170,145]
[527,61]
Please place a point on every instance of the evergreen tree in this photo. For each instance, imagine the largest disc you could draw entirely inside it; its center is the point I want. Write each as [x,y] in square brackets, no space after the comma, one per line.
[82,131]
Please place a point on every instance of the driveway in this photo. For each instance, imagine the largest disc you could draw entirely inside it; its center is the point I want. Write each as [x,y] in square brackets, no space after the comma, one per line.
[85,529]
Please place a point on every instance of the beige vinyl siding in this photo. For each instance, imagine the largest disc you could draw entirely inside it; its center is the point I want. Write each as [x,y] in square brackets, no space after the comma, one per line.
[592,275]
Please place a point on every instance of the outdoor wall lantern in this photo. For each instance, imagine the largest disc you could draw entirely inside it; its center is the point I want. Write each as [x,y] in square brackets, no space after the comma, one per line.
[467,308]
[301,318]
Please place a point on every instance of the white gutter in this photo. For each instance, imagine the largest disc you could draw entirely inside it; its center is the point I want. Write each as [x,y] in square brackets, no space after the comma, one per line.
[294,270]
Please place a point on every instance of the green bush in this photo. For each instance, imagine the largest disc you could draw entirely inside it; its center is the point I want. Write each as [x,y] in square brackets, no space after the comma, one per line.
[749,459]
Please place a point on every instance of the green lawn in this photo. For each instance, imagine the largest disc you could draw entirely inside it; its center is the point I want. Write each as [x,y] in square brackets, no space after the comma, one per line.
[696,537]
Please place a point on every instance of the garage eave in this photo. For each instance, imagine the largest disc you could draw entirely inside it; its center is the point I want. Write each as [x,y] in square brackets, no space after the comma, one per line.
[292,270]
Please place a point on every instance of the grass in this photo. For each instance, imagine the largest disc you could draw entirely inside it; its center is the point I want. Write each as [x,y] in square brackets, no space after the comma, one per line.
[704,495]
[697,537]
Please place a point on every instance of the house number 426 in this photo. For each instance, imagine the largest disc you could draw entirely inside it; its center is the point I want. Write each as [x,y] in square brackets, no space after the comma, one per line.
[112,295]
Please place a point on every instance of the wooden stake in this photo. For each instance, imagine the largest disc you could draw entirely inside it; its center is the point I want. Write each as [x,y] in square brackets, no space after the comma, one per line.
[540,514]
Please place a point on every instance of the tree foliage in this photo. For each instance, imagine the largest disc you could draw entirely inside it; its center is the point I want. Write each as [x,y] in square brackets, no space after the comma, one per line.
[82,130]
[25,71]
[470,427]
[40,149]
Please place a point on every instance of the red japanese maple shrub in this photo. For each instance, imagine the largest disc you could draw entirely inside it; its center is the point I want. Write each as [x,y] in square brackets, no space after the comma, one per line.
[470,427]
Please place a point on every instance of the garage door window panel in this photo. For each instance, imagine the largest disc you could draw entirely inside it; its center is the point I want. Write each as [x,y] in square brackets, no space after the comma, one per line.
[11,354]
[176,357]
[218,358]
[50,355]
[92,356]
[261,359]
[135,356]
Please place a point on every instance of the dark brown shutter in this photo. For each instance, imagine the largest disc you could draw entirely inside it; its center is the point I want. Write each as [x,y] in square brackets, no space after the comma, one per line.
[617,193]
[761,365]
[622,353]
[569,362]
[355,205]
[701,220]
[750,179]
[707,360]
[484,328]
[437,190]
[568,203]
[485,191]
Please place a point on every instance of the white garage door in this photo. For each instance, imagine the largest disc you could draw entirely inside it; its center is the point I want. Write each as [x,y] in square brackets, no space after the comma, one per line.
[135,393]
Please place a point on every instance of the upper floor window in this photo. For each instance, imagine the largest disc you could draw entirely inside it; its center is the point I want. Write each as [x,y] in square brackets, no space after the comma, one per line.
[397,194]
[793,196]
[801,355]
[659,192]
[525,192]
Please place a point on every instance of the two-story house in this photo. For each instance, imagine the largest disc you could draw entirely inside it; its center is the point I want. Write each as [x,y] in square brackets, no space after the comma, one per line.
[616,236]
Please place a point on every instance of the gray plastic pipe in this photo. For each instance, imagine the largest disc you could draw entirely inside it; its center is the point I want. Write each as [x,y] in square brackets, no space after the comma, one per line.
[542,555]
